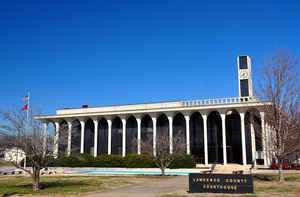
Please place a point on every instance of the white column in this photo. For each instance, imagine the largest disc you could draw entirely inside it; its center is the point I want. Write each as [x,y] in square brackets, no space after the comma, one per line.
[95,137]
[171,133]
[109,136]
[253,143]
[124,137]
[262,116]
[244,154]
[69,138]
[56,139]
[139,135]
[45,124]
[82,124]
[187,125]
[223,116]
[154,135]
[204,117]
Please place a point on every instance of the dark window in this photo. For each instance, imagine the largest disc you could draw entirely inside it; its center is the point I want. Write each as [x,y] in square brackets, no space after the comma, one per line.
[244,87]
[243,62]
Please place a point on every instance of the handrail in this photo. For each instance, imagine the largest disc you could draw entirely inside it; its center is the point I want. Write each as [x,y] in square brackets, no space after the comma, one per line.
[219,101]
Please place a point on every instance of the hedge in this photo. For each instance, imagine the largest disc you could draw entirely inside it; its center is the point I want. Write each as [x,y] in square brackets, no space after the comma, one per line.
[71,161]
[138,161]
[130,161]
[183,161]
[109,161]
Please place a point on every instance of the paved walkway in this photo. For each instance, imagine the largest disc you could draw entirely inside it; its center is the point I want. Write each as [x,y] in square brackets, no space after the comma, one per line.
[151,188]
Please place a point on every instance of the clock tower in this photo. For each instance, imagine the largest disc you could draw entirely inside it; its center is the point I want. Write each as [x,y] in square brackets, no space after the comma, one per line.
[245,77]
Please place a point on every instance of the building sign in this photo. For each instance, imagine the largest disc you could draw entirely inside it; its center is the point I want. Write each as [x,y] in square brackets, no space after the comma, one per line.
[220,183]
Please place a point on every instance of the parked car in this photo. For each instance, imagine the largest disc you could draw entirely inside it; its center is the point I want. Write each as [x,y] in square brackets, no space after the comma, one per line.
[296,166]
[297,161]
[285,166]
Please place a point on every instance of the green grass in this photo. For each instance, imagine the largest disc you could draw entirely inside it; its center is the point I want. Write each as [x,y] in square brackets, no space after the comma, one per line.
[276,189]
[269,183]
[264,185]
[274,177]
[4,163]
[212,195]
[63,184]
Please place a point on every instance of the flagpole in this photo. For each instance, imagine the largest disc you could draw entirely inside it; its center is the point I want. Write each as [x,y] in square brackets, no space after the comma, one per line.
[28,102]
[27,123]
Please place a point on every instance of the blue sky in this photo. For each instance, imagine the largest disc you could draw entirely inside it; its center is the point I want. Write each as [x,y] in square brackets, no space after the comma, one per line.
[70,53]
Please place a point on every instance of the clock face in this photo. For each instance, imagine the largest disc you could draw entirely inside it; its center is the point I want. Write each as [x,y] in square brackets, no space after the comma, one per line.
[244,75]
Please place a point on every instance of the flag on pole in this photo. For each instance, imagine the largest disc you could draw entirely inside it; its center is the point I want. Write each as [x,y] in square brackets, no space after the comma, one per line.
[25,107]
[25,98]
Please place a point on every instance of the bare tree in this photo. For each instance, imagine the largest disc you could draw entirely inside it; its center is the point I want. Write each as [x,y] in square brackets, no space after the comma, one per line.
[29,137]
[163,157]
[279,84]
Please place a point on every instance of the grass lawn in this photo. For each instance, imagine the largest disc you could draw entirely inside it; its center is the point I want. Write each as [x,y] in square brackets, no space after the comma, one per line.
[5,163]
[265,185]
[268,185]
[76,185]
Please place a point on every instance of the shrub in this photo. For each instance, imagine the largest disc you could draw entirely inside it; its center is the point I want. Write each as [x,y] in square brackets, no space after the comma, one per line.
[109,161]
[183,161]
[79,160]
[51,162]
[86,160]
[69,161]
[138,161]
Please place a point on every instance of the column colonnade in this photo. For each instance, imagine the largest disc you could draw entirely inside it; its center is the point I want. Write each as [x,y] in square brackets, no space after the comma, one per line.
[170,116]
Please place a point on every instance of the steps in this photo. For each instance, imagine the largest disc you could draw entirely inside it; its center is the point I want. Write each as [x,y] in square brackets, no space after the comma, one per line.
[228,169]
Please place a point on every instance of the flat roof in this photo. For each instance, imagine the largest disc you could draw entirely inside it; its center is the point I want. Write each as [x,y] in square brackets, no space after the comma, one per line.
[157,107]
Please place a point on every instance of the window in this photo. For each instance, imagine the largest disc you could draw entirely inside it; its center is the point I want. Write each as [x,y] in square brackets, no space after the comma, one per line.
[243,62]
[244,87]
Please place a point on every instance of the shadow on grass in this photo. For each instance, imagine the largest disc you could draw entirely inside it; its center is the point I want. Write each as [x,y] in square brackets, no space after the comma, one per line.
[263,177]
[9,194]
[50,185]
[275,177]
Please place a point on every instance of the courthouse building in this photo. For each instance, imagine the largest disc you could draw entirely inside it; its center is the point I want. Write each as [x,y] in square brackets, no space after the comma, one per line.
[224,130]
